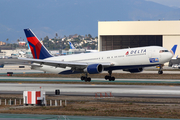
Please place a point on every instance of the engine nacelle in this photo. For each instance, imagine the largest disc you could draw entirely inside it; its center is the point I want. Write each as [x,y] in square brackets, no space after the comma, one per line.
[134,70]
[94,69]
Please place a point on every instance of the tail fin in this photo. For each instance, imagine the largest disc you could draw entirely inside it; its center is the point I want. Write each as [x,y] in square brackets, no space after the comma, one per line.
[37,49]
[173,50]
[71,46]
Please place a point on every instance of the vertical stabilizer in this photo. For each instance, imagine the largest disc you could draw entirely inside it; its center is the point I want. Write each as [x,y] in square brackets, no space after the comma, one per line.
[71,46]
[173,50]
[37,49]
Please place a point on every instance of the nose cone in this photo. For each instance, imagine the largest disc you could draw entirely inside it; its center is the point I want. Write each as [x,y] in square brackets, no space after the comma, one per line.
[171,55]
[166,57]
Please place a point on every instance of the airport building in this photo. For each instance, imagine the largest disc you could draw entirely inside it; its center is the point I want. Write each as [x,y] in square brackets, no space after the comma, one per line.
[125,34]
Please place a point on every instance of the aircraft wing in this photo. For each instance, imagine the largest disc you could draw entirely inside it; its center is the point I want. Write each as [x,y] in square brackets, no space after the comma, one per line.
[64,64]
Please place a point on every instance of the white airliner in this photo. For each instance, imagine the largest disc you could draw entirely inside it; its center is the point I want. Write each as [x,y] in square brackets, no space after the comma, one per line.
[132,59]
[71,46]
[88,51]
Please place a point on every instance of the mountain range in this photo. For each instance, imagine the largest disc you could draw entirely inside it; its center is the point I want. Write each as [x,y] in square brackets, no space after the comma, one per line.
[66,17]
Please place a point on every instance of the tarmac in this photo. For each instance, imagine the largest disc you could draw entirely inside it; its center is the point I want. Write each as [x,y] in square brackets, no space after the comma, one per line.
[64,117]
[141,91]
[90,90]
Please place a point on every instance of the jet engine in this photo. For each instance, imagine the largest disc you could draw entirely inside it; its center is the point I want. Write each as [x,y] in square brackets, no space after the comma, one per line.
[134,70]
[94,69]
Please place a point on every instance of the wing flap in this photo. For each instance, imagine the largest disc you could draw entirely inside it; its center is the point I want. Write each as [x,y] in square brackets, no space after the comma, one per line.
[64,64]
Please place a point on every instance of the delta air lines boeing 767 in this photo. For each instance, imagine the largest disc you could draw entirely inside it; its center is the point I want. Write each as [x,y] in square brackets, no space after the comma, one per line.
[131,59]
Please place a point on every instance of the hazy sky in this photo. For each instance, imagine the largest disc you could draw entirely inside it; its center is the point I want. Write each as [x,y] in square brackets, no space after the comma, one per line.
[68,17]
[171,3]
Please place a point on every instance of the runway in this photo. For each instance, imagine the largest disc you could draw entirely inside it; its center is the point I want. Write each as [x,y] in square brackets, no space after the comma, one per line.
[90,90]
[66,80]
[27,69]
[146,95]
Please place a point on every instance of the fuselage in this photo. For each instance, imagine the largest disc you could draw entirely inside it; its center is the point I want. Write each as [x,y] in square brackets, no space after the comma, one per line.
[120,59]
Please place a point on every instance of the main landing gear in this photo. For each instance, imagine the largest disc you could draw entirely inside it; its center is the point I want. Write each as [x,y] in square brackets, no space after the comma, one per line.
[160,70]
[108,77]
[85,78]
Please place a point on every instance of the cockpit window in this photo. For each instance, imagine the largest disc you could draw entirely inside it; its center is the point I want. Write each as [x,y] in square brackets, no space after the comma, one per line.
[161,51]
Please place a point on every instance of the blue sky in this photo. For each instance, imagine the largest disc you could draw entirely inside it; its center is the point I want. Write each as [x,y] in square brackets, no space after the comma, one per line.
[68,17]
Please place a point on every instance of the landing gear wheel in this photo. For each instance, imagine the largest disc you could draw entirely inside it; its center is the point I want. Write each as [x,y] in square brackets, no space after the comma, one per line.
[160,69]
[89,79]
[111,78]
[108,77]
[85,78]
[160,72]
[82,78]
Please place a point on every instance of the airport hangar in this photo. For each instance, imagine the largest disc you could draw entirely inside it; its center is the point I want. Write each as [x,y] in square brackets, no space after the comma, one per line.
[124,34]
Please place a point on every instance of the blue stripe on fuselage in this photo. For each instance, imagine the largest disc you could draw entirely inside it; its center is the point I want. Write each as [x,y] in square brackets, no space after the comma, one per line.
[127,67]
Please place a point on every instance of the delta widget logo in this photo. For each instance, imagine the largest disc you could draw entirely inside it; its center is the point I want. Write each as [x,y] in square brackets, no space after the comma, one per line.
[127,53]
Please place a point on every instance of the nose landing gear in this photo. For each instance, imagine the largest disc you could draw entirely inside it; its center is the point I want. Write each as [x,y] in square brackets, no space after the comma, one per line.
[160,69]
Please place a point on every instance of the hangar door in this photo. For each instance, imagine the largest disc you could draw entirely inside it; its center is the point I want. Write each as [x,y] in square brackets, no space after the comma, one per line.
[120,42]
